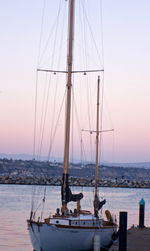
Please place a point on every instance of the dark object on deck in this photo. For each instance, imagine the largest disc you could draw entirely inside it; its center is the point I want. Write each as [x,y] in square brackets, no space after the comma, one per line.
[98,204]
[101,203]
[58,211]
[123,231]
[115,235]
[141,213]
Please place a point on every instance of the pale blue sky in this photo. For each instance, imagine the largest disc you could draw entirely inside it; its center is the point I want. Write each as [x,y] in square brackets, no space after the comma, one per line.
[126,36]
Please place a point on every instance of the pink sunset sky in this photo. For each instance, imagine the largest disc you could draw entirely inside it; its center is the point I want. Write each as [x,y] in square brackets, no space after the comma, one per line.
[126,42]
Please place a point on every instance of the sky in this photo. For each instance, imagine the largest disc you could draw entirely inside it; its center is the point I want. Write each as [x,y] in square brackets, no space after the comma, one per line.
[126,40]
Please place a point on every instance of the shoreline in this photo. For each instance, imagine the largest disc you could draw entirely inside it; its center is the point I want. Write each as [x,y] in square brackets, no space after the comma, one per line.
[86,182]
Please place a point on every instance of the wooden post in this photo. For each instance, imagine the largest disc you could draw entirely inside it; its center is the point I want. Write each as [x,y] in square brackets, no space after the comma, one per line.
[141,213]
[123,231]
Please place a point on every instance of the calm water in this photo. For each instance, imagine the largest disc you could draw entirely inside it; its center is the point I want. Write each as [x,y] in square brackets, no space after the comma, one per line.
[15,205]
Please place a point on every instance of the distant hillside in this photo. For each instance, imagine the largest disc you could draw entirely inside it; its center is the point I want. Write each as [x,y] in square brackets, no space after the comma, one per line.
[26,168]
[145,165]
[24,157]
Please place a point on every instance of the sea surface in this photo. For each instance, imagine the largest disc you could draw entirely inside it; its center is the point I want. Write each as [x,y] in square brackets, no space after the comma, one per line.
[16,201]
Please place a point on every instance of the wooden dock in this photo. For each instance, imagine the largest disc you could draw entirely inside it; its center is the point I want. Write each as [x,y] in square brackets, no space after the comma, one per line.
[138,239]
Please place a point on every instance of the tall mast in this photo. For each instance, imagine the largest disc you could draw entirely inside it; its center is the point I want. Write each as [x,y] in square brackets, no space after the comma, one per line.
[97,141]
[68,101]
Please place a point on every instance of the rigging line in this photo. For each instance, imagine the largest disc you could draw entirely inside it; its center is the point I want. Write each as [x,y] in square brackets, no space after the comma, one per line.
[51,33]
[42,115]
[75,108]
[32,200]
[108,111]
[54,113]
[42,212]
[35,116]
[89,99]
[80,60]
[54,108]
[89,116]
[61,106]
[101,25]
[47,99]
[113,150]
[56,31]
[90,29]
[37,199]
[84,152]
[79,43]
[77,119]
[41,32]
[37,207]
[87,89]
[35,112]
[35,194]
[50,148]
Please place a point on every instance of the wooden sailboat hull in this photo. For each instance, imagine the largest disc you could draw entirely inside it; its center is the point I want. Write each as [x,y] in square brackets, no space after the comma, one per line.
[47,237]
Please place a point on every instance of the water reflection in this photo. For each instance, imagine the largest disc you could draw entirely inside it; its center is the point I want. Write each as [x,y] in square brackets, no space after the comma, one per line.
[15,205]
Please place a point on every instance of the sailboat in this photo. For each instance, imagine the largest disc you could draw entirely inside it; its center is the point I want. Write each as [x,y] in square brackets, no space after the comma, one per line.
[67,230]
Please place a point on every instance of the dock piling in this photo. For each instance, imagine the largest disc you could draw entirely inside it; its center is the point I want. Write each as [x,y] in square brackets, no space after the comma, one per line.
[123,231]
[141,213]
